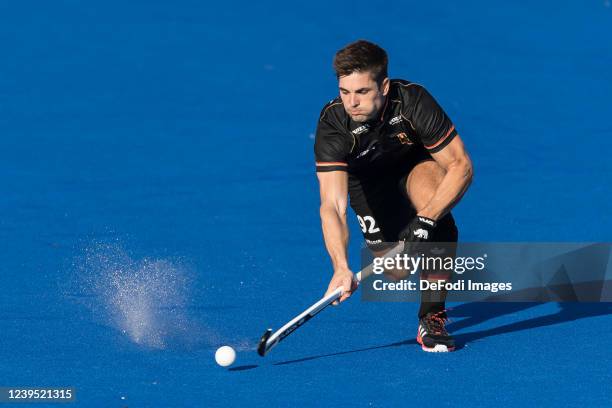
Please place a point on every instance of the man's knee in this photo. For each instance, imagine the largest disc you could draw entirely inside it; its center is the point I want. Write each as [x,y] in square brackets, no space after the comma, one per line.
[423,181]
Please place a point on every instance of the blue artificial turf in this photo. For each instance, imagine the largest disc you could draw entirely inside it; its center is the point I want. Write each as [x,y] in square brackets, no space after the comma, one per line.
[158,199]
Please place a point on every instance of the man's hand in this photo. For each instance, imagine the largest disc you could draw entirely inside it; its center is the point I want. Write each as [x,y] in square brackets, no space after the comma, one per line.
[345,278]
[420,229]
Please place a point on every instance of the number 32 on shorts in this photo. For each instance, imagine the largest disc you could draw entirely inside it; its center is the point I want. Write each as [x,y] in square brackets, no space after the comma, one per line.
[368,224]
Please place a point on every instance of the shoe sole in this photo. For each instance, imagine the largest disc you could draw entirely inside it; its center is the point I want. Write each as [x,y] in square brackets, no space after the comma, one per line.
[438,348]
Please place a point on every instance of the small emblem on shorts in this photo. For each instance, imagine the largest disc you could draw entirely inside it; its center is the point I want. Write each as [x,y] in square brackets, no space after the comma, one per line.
[421,233]
[403,138]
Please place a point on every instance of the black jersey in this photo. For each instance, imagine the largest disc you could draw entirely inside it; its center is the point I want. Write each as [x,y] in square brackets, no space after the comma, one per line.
[380,153]
[411,123]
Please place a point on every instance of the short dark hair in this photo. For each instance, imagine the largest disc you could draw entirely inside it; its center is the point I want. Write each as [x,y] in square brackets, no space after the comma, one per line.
[362,56]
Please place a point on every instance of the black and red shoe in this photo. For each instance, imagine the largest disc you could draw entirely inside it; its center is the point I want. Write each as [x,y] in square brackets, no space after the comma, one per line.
[432,334]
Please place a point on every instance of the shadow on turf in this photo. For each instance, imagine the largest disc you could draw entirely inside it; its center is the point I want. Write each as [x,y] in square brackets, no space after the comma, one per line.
[479,312]
[396,344]
[243,368]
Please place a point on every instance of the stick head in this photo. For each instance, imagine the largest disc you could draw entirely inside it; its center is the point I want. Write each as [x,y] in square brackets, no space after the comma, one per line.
[261,348]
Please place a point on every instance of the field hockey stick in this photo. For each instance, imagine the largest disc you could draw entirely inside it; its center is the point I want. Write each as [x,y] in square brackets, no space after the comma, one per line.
[271,339]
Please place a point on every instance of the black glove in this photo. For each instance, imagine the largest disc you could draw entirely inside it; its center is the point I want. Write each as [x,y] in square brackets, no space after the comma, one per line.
[420,229]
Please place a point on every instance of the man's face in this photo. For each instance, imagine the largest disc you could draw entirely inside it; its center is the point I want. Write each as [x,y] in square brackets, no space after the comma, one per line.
[361,96]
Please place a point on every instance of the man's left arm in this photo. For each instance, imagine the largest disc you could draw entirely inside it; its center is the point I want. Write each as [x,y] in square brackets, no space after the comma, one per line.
[453,158]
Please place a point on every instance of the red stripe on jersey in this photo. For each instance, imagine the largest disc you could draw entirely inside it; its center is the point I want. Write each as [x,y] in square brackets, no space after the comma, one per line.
[331,164]
[439,142]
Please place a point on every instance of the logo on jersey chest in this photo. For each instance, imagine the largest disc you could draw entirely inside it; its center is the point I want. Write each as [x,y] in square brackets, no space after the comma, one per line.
[361,129]
[395,120]
[403,138]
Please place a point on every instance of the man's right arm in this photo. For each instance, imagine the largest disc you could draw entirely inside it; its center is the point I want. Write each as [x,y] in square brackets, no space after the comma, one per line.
[332,147]
[333,187]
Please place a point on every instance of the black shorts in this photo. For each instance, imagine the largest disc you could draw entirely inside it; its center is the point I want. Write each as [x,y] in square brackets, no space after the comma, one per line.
[384,209]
